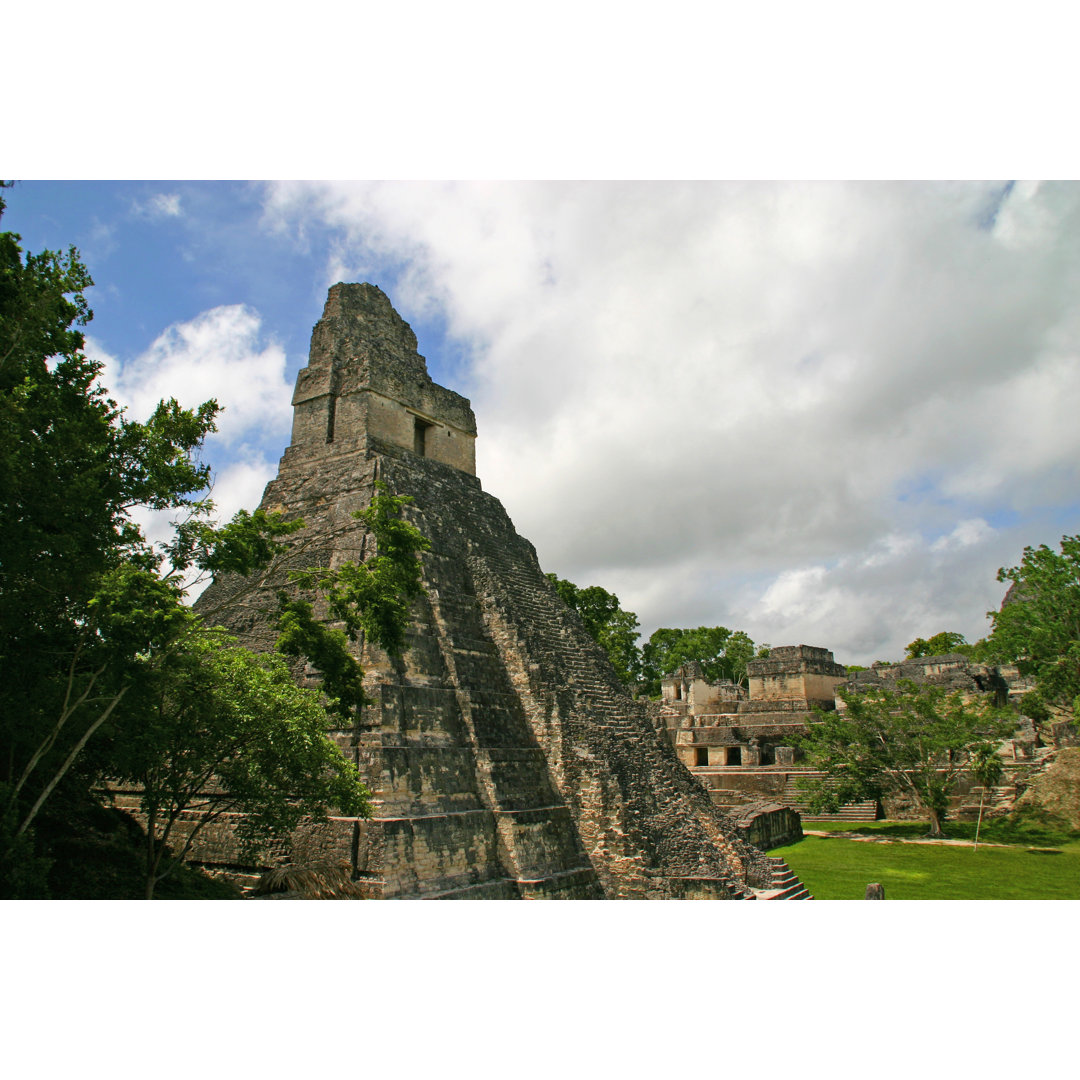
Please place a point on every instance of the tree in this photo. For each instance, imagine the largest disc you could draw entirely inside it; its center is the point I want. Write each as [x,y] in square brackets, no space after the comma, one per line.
[107,671]
[946,642]
[723,654]
[227,731]
[71,470]
[916,739]
[1038,626]
[612,628]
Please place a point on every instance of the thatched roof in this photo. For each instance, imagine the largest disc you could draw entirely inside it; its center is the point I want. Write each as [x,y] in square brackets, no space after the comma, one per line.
[329,881]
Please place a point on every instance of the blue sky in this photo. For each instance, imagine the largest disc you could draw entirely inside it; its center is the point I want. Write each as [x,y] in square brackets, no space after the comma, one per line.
[163,252]
[823,413]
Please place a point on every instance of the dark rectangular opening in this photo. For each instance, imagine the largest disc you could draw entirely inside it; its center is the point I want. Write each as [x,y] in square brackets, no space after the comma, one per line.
[420,430]
[734,755]
[701,755]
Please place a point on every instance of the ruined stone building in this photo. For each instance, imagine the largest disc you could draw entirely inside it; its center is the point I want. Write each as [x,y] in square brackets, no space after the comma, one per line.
[951,671]
[740,744]
[505,758]
[722,724]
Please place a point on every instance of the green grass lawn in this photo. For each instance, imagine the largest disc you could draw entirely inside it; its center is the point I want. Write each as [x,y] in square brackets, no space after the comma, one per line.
[834,868]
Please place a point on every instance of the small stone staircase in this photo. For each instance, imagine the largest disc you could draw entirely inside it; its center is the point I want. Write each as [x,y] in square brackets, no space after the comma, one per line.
[784,885]
[792,796]
[996,798]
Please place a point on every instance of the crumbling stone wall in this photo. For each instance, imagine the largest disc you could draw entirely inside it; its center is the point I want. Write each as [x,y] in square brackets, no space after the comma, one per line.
[951,671]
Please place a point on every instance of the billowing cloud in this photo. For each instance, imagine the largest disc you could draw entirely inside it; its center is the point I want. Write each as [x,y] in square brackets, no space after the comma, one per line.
[218,354]
[800,409]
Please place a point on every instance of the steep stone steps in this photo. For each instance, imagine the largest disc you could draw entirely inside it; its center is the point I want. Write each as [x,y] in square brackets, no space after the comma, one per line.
[784,884]
[598,700]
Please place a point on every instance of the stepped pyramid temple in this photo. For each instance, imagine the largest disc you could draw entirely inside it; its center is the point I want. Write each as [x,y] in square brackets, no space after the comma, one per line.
[505,758]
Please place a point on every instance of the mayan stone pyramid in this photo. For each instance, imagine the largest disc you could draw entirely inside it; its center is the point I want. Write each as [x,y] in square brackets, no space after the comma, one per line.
[505,757]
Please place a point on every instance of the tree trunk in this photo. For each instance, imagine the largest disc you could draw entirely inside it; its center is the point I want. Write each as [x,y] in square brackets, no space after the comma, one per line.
[935,832]
[978,826]
[151,852]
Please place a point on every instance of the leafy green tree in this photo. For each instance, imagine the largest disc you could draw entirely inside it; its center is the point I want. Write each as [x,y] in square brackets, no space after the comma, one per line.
[225,731]
[723,654]
[99,651]
[71,470]
[945,642]
[916,739]
[612,628]
[1038,627]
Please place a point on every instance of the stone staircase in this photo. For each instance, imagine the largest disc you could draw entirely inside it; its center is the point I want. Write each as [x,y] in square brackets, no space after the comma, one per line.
[784,884]
[792,796]
[597,721]
[993,799]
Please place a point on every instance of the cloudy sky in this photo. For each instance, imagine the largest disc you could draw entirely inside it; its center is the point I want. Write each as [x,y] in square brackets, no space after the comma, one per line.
[823,413]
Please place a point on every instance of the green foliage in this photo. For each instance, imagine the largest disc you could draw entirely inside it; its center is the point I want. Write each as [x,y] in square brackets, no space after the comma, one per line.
[107,672]
[1039,629]
[369,598]
[945,642]
[81,606]
[612,628]
[301,635]
[985,765]
[249,542]
[916,739]
[220,719]
[1034,707]
[723,654]
[372,598]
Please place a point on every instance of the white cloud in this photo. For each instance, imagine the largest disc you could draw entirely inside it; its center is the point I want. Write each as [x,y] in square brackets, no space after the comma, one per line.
[969,532]
[696,393]
[219,354]
[159,206]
